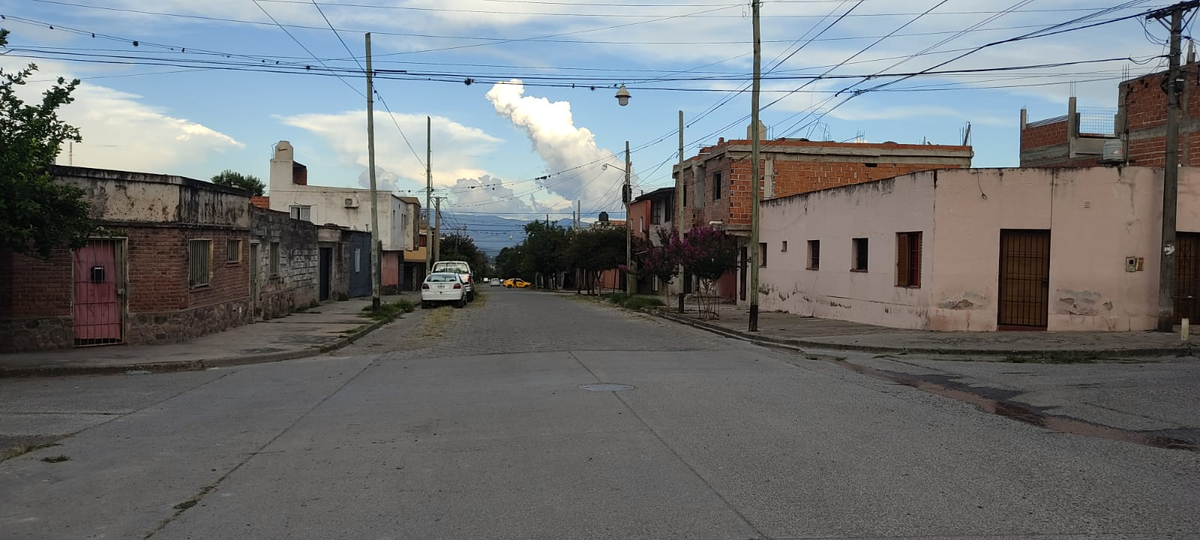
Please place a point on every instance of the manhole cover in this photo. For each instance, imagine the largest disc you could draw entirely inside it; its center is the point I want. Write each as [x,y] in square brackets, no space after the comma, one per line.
[606,387]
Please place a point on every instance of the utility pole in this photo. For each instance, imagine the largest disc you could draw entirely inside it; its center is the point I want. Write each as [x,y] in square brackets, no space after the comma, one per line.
[1172,85]
[437,229]
[428,192]
[376,243]
[679,196]
[754,174]
[630,280]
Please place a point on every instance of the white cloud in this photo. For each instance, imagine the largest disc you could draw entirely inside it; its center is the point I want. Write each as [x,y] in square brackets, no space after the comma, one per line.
[346,134]
[571,154]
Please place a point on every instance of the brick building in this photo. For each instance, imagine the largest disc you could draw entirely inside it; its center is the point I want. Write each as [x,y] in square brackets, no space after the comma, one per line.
[1135,131]
[170,263]
[716,182]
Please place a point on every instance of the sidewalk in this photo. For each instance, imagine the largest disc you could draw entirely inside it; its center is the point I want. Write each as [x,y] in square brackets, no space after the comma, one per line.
[810,332]
[319,330]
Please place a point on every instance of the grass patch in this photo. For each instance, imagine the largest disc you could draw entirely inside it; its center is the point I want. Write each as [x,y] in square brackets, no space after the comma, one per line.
[56,459]
[24,449]
[435,321]
[643,302]
[389,311]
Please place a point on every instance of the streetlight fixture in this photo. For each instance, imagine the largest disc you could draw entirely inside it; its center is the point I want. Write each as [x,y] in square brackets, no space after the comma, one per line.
[623,96]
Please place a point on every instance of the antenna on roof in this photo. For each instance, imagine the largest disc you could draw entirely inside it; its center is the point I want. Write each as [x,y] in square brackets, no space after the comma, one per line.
[967,135]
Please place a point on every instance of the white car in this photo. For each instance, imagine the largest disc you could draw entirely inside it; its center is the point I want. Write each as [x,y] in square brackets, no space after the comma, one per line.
[443,287]
[464,273]
[496,282]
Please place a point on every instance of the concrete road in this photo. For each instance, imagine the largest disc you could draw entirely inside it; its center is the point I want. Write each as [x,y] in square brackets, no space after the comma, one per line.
[472,423]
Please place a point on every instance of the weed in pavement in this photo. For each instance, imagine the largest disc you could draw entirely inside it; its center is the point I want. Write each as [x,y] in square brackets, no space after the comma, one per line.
[56,459]
[24,449]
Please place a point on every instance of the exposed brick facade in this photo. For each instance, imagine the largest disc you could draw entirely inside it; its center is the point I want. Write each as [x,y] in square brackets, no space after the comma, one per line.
[152,219]
[1140,121]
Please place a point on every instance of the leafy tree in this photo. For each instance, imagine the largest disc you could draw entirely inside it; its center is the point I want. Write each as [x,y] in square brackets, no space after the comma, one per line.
[508,261]
[37,215]
[708,253]
[545,244]
[596,250]
[659,260]
[238,180]
[460,247]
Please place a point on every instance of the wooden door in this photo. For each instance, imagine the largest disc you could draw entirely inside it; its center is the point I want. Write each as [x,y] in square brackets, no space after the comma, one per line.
[96,307]
[1024,279]
[1187,276]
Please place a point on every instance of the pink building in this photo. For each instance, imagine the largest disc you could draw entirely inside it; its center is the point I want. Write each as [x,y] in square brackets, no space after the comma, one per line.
[982,250]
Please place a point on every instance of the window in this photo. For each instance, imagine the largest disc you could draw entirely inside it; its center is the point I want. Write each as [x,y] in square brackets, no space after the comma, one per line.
[784,249]
[233,251]
[199,263]
[274,259]
[762,255]
[859,264]
[424,240]
[908,259]
[303,212]
[716,186]
[814,254]
[357,260]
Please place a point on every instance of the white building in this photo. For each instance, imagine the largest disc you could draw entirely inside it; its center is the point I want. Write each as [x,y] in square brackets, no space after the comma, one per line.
[342,206]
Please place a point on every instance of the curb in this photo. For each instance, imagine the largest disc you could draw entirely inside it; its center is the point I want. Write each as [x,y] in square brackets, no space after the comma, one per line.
[1183,350]
[191,365]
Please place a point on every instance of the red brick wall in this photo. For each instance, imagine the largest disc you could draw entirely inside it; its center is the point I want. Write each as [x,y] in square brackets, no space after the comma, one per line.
[158,269]
[1044,135]
[35,287]
[1144,111]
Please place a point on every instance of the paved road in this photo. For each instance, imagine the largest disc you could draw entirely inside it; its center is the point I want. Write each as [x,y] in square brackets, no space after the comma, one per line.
[470,423]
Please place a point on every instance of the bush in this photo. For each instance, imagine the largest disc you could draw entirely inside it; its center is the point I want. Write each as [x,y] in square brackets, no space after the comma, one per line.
[618,298]
[387,312]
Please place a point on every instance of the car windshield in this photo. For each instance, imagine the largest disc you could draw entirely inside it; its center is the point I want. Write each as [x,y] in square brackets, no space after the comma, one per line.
[461,268]
[442,278]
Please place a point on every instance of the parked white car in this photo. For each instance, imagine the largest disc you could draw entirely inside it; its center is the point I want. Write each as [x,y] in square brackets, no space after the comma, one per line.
[441,287]
[495,282]
[464,273]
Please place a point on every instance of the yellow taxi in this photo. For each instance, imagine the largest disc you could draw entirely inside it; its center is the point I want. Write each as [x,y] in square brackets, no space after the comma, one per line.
[516,283]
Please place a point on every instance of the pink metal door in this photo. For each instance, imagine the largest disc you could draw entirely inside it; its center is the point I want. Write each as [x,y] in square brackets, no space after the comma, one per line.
[96,305]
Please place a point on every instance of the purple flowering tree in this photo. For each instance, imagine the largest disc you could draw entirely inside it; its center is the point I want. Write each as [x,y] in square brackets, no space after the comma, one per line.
[708,253]
[659,260]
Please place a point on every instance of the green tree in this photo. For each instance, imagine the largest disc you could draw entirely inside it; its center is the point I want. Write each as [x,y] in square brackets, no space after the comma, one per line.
[596,250]
[238,180]
[708,253]
[37,215]
[508,261]
[460,247]
[545,244]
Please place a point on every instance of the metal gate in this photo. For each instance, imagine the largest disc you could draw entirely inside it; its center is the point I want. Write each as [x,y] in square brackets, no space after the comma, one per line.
[1024,279]
[96,305]
[1187,276]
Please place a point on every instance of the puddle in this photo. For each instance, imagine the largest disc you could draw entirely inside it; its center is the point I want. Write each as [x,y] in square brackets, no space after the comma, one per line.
[997,401]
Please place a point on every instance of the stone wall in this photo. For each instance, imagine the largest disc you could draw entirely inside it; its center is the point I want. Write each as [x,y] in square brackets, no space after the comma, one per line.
[178,326]
[294,286]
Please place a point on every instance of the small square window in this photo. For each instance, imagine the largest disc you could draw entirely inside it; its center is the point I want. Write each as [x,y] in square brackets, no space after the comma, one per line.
[716,187]
[859,263]
[233,251]
[762,254]
[199,263]
[784,248]
[814,255]
[303,212]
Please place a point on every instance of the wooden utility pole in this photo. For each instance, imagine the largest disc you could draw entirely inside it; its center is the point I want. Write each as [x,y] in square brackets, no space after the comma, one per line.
[754,174]
[428,193]
[679,197]
[1172,85]
[376,242]
[630,279]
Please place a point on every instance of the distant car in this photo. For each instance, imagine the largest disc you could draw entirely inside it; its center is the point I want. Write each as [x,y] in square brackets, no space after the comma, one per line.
[516,283]
[441,287]
[464,273]
[495,282]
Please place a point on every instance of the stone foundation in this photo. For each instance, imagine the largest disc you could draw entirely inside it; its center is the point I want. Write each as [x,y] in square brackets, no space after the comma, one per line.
[178,326]
[35,334]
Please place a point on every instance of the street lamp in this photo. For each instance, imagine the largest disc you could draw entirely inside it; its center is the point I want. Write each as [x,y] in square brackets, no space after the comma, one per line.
[626,195]
[622,96]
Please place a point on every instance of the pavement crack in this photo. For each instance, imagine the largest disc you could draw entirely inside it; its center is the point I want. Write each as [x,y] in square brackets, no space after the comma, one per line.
[185,505]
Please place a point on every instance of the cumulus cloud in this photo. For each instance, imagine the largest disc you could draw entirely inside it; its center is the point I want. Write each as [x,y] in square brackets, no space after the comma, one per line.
[346,135]
[572,157]
[490,194]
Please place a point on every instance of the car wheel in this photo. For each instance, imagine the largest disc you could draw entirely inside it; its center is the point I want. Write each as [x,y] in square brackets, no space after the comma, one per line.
[424,305]
[462,302]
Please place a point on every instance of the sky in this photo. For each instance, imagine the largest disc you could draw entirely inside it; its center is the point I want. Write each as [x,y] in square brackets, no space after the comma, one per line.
[519,94]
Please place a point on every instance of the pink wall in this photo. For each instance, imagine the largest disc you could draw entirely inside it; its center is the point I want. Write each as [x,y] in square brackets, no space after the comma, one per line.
[1097,217]
[875,211]
[390,264]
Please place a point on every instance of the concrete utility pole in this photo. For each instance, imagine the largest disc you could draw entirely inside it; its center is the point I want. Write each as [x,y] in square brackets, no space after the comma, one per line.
[679,196]
[437,229]
[1172,86]
[376,243]
[428,193]
[754,174]
[630,279]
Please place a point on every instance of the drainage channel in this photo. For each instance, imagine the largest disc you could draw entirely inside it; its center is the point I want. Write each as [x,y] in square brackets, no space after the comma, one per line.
[993,401]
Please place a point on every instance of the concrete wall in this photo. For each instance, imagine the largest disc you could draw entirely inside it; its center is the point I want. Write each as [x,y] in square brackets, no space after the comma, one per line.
[328,204]
[1097,218]
[295,285]
[876,211]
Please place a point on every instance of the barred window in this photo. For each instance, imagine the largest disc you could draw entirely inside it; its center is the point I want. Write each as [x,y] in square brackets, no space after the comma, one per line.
[233,251]
[199,263]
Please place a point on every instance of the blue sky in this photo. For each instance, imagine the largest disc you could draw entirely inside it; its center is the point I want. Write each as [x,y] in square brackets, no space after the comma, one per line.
[492,142]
